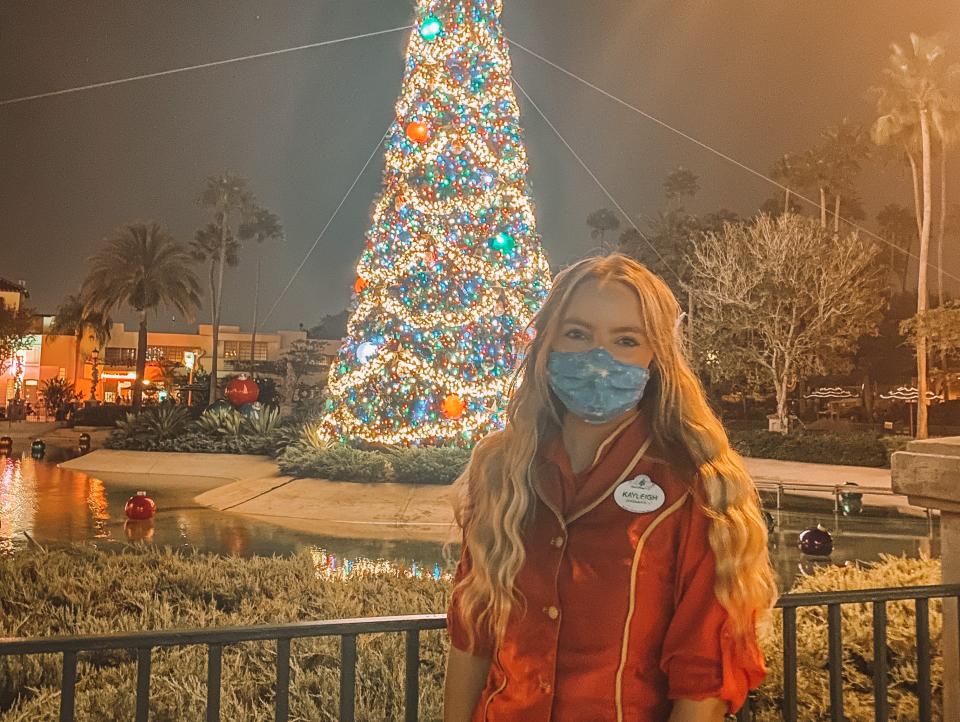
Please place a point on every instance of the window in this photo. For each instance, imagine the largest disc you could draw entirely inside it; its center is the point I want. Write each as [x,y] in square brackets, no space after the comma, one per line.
[120,356]
[240,351]
[173,354]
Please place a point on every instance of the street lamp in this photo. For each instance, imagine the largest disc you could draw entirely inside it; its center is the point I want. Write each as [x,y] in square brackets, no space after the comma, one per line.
[94,374]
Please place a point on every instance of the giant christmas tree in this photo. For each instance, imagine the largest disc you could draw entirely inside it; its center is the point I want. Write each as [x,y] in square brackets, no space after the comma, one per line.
[452,271]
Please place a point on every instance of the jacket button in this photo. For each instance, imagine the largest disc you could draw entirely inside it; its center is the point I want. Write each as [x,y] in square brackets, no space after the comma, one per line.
[557,541]
[551,612]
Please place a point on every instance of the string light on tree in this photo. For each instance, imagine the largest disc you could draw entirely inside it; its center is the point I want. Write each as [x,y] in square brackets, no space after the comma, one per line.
[452,271]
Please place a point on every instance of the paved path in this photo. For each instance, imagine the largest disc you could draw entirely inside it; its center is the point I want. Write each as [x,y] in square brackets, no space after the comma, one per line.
[769,472]
[253,485]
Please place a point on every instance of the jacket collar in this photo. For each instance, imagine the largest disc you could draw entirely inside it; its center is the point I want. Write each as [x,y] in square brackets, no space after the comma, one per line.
[571,495]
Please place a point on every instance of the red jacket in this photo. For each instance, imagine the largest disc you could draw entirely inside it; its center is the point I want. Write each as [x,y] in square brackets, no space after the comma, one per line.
[620,614]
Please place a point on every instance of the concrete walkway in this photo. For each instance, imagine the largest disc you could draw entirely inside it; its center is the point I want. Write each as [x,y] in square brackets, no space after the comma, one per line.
[824,477]
[253,485]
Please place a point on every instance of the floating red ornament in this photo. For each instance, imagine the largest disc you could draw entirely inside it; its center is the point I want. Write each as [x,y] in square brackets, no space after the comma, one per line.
[140,506]
[418,132]
[242,390]
[453,406]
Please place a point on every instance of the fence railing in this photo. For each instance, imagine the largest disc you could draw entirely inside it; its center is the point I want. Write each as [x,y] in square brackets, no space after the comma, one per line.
[143,643]
[878,598]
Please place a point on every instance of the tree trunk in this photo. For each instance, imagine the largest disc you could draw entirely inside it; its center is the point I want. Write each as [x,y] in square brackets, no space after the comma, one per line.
[786,201]
[918,213]
[141,363]
[215,300]
[823,207]
[76,360]
[940,237]
[836,214]
[256,313]
[917,198]
[922,432]
[211,384]
[782,411]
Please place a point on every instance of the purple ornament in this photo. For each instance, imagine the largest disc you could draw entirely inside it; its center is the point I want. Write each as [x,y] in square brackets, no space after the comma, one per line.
[815,541]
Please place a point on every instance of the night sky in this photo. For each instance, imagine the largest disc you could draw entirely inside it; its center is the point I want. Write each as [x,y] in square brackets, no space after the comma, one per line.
[752,79]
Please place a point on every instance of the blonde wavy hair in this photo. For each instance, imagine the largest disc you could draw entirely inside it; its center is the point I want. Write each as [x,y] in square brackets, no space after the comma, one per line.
[495,496]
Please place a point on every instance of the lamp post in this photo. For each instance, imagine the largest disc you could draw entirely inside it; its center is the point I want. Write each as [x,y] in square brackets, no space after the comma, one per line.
[94,374]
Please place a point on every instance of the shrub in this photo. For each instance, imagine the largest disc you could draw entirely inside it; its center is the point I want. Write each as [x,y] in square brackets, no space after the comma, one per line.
[81,590]
[337,462]
[262,424]
[220,421]
[429,465]
[104,415]
[854,449]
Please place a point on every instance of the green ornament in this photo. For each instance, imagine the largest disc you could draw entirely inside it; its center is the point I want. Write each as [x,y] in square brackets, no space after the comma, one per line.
[430,28]
[503,242]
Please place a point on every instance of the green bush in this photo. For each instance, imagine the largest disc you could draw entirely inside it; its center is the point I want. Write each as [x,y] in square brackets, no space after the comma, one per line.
[81,590]
[102,415]
[337,462]
[854,449]
[429,465]
[220,421]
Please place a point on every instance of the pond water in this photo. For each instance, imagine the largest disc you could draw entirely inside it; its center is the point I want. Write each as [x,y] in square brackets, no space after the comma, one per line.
[44,504]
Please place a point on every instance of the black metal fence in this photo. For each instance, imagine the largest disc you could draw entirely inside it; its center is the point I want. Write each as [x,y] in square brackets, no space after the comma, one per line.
[878,598]
[143,643]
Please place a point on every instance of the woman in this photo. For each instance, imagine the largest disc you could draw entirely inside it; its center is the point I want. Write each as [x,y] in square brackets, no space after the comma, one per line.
[614,564]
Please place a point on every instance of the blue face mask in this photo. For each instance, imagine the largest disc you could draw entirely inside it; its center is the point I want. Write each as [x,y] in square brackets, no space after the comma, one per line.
[594,385]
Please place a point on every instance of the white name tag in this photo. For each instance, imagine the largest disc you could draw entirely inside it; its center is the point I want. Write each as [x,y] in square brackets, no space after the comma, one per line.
[640,495]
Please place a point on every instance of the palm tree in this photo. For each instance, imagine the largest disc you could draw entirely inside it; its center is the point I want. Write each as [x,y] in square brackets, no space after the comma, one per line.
[263,225]
[899,228]
[74,317]
[141,267]
[237,217]
[913,98]
[845,146]
[601,221]
[793,172]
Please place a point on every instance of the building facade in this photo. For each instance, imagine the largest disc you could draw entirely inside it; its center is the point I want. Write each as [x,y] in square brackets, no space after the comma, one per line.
[72,359]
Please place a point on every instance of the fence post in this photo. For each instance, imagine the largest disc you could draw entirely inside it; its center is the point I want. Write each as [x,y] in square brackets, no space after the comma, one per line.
[927,472]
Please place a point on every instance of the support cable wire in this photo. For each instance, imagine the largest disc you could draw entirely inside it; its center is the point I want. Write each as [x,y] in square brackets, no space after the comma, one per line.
[721,154]
[329,221]
[594,176]
[212,64]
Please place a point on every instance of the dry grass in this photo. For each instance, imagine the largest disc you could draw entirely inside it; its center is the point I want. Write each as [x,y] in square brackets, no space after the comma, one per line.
[80,590]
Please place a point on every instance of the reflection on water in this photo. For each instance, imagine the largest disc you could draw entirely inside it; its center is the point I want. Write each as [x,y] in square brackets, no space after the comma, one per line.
[49,505]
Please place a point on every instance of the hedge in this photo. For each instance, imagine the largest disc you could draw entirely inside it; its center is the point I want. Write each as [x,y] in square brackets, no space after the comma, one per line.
[853,449]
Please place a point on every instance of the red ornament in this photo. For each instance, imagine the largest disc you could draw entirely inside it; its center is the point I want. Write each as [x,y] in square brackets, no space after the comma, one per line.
[453,406]
[140,506]
[418,132]
[360,284]
[242,390]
